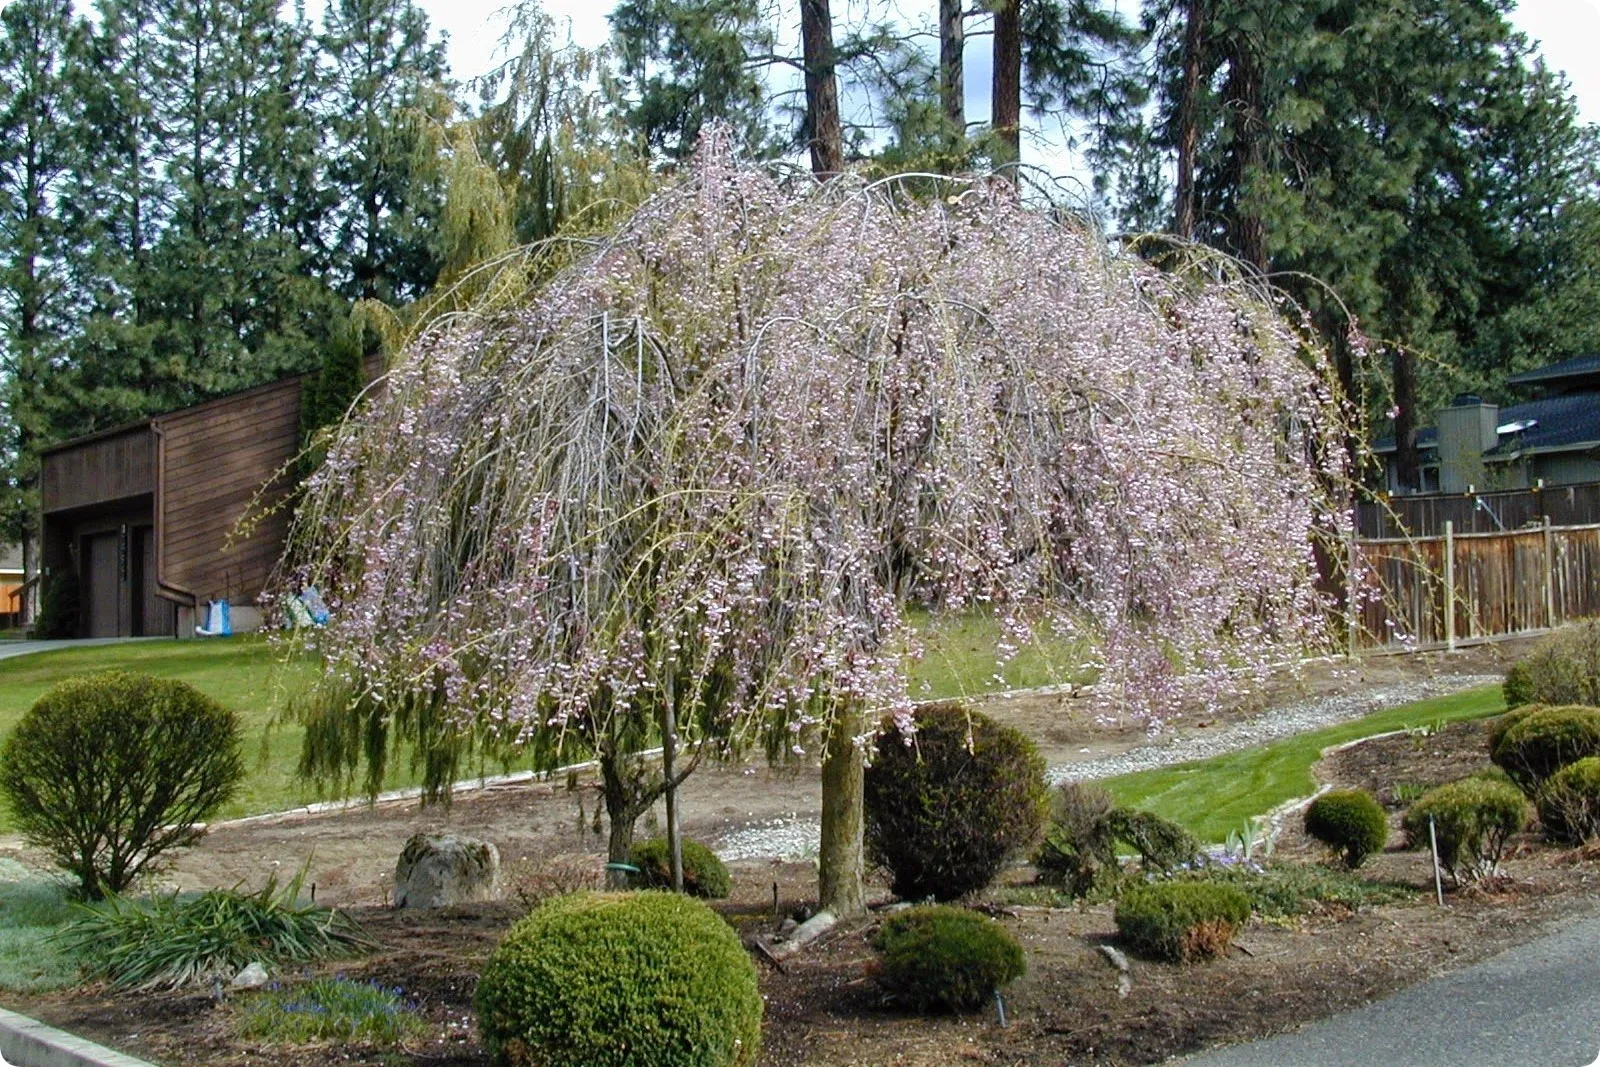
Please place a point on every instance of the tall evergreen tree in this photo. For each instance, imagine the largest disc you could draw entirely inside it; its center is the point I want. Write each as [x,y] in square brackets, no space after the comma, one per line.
[384,70]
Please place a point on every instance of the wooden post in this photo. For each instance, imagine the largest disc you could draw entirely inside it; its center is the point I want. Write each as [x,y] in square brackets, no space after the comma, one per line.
[1449,586]
[1549,576]
[1351,618]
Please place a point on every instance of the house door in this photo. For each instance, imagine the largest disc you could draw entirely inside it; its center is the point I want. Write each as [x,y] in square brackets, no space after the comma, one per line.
[153,616]
[103,592]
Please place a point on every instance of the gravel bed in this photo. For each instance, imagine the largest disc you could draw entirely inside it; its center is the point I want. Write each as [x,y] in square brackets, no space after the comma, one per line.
[1286,721]
[795,836]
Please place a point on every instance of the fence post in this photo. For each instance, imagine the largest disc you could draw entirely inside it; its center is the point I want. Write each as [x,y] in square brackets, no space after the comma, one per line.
[1449,586]
[1549,576]
[1350,620]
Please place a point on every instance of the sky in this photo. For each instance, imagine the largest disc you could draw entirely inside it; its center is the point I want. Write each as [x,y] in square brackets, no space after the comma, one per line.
[1568,32]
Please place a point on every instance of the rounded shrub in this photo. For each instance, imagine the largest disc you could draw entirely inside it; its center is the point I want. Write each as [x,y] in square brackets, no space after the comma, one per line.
[943,958]
[1569,802]
[704,875]
[1539,744]
[620,980]
[1495,729]
[1473,819]
[1181,920]
[947,806]
[1349,821]
[110,771]
[1563,669]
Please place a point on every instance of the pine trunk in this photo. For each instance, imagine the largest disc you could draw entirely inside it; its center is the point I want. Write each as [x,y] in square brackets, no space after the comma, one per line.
[952,88]
[1006,98]
[1188,120]
[822,88]
[840,856]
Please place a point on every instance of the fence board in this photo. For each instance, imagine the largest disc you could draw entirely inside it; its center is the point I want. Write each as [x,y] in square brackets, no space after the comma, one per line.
[1500,585]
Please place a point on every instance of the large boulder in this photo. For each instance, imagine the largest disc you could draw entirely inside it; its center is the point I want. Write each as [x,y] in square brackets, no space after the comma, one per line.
[436,870]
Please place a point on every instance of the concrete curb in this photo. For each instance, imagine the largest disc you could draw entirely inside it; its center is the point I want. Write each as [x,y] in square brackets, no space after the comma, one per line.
[27,1042]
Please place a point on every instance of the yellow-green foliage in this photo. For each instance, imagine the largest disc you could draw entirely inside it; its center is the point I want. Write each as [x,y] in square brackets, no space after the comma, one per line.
[1473,819]
[1540,743]
[620,980]
[1569,803]
[1181,920]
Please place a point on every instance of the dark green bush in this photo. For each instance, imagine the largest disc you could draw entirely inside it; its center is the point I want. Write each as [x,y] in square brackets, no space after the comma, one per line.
[1079,850]
[110,771]
[1184,920]
[1563,669]
[943,958]
[1349,821]
[1162,844]
[1474,819]
[1569,802]
[58,605]
[1542,742]
[947,807]
[1288,889]
[171,941]
[620,980]
[704,875]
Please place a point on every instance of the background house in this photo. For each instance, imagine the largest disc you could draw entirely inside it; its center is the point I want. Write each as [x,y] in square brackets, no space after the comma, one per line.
[1553,437]
[11,579]
[146,516]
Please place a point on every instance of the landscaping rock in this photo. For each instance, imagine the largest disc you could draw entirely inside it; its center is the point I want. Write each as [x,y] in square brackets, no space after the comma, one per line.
[436,870]
[250,976]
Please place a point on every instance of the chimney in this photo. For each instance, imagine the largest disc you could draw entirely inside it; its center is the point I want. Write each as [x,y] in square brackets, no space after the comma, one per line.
[1466,432]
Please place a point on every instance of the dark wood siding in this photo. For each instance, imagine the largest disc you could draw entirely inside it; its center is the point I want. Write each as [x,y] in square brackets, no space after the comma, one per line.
[216,458]
[99,470]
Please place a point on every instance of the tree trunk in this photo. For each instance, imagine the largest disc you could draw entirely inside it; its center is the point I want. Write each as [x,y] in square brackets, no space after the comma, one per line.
[1407,464]
[1006,96]
[840,856]
[1188,120]
[622,811]
[1244,95]
[952,87]
[826,135]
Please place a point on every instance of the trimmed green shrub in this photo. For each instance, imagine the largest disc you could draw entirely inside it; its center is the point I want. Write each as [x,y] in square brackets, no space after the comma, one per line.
[331,1009]
[620,980]
[1542,742]
[1162,844]
[943,958]
[1563,669]
[1182,920]
[704,875]
[108,772]
[1288,889]
[1495,728]
[1474,819]
[1349,821]
[1569,802]
[168,941]
[1079,850]
[58,605]
[949,805]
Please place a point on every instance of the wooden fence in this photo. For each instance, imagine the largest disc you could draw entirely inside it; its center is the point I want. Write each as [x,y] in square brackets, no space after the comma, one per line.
[1425,514]
[1438,592]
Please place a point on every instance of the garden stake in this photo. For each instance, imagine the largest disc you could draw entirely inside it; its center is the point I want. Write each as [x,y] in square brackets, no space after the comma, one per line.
[1433,843]
[1000,1004]
[775,911]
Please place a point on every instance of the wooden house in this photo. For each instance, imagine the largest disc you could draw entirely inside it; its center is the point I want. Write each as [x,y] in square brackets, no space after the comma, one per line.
[146,514]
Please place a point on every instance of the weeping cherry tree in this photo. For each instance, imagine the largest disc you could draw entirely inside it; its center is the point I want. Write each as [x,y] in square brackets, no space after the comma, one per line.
[691,485]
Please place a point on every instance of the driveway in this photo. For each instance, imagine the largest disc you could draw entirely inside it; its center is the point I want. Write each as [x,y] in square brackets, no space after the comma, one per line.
[8,649]
[1537,1005]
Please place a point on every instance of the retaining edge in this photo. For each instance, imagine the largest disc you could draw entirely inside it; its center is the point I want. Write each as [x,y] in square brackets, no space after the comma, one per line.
[27,1042]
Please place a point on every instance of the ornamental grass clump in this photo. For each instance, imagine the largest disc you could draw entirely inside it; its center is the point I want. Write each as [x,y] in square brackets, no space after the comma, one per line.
[1181,921]
[1539,743]
[1351,822]
[712,461]
[331,1009]
[170,940]
[110,772]
[942,958]
[644,979]
[1473,820]
[704,875]
[950,802]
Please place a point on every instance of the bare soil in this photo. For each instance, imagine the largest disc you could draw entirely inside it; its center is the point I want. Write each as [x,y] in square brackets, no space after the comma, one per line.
[824,1008]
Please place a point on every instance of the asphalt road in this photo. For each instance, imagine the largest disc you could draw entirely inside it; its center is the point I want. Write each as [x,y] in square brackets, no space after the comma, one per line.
[1537,1005]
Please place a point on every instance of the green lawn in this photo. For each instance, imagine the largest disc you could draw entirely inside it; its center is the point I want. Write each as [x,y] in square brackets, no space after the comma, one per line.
[959,660]
[1212,797]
